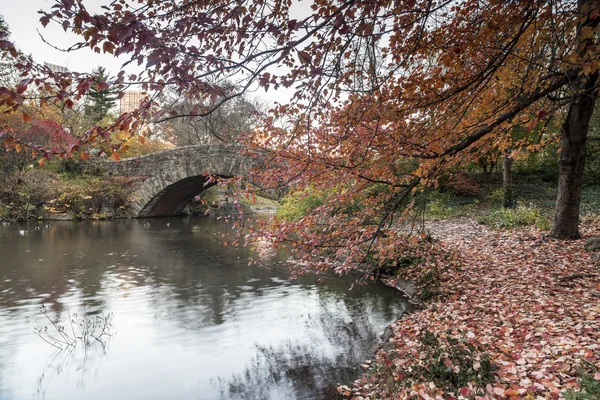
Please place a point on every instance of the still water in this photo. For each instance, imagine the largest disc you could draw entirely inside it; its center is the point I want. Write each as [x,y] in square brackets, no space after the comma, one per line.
[191,319]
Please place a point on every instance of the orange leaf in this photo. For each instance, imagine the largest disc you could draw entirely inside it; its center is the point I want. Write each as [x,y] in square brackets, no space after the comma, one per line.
[116,156]
[85,155]
[42,161]
[587,32]
[26,117]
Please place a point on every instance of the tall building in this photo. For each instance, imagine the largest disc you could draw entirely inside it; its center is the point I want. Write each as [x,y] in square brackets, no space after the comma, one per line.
[56,68]
[130,101]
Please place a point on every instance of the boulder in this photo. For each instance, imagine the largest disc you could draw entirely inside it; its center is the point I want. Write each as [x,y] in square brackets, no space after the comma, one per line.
[592,244]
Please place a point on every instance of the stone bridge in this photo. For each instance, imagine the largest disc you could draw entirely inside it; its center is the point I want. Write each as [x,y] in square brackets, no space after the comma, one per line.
[167,181]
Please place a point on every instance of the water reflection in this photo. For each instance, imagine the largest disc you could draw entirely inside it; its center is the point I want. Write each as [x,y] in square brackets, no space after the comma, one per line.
[293,370]
[193,320]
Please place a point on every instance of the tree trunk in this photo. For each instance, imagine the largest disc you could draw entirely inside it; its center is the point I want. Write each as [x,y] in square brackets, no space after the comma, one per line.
[573,139]
[508,199]
[572,161]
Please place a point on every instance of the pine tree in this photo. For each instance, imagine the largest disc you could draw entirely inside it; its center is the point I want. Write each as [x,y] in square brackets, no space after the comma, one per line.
[100,102]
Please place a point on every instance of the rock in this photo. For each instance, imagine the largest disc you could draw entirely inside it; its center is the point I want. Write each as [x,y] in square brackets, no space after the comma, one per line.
[592,244]
[61,217]
[106,213]
[387,334]
[226,209]
[406,287]
[106,210]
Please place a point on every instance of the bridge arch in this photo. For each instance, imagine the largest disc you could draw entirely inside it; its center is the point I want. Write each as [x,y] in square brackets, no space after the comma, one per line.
[168,180]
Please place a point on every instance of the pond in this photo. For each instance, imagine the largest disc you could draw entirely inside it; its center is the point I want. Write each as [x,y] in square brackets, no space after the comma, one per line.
[190,318]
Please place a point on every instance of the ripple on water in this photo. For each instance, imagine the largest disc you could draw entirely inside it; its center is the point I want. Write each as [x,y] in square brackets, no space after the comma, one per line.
[192,319]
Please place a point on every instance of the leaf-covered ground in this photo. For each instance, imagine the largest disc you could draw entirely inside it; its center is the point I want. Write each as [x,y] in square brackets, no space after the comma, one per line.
[530,304]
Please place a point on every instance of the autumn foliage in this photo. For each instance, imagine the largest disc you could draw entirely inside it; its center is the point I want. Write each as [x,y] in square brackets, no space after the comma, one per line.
[514,317]
[387,95]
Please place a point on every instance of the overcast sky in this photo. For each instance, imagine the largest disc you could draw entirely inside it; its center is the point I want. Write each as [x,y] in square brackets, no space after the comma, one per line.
[23,20]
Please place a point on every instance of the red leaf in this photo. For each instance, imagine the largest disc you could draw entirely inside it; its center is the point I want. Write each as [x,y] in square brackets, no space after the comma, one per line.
[304,57]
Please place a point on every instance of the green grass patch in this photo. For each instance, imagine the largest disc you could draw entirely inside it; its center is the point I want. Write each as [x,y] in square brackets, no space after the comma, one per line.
[522,215]
[589,387]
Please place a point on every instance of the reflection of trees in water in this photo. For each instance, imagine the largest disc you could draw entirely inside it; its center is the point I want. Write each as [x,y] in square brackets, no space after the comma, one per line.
[306,371]
[188,278]
[82,361]
[7,354]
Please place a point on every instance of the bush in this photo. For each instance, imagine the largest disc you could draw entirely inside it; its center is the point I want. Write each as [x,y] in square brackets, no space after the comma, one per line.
[522,215]
[87,196]
[442,205]
[496,196]
[543,165]
[591,174]
[449,361]
[22,193]
[298,204]
[462,184]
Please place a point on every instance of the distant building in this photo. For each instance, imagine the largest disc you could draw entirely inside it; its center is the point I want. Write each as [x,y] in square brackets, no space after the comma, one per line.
[56,68]
[130,101]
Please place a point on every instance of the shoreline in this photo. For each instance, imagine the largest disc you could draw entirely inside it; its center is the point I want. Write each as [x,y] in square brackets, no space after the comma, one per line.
[516,316]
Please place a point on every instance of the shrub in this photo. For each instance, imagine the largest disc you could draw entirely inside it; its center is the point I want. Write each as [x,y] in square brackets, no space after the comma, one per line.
[298,204]
[496,196]
[522,215]
[87,196]
[448,361]
[23,192]
[442,205]
[462,184]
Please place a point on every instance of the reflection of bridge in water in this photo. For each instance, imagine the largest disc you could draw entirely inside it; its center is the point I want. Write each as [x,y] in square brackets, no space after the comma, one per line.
[168,180]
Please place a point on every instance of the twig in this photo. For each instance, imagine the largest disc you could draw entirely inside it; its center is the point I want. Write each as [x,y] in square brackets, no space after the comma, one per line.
[576,276]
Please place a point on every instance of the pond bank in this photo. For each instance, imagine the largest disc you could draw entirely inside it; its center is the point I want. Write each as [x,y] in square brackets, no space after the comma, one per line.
[43,194]
[515,316]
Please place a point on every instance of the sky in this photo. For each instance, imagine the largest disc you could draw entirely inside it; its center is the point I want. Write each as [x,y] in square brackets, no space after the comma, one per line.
[24,23]
[23,19]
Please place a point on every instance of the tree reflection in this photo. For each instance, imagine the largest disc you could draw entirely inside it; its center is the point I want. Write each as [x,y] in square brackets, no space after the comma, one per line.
[176,286]
[82,361]
[306,371]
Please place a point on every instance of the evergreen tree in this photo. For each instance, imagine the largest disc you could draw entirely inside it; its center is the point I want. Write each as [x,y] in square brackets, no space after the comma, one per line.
[100,102]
